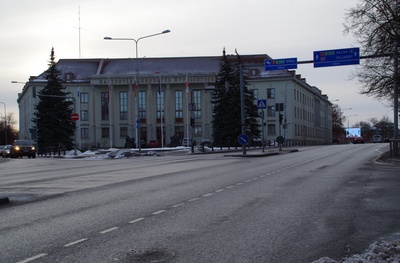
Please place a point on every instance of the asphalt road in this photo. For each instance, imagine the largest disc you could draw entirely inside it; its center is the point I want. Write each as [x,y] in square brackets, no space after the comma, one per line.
[321,201]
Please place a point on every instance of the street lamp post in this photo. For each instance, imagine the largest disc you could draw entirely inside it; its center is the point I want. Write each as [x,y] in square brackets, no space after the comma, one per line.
[5,121]
[137,76]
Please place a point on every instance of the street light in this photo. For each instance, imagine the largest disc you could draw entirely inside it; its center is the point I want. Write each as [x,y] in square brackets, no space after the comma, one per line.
[5,121]
[137,75]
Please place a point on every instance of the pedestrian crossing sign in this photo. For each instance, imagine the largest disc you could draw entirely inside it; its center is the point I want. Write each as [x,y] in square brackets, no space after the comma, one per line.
[262,104]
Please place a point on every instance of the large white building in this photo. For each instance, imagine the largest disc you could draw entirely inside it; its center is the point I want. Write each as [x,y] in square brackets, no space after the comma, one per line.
[110,94]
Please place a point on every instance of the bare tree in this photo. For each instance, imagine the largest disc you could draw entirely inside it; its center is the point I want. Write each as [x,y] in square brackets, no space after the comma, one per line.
[375,24]
[337,122]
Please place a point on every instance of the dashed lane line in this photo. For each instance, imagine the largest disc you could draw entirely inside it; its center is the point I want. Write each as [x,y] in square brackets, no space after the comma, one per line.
[108,230]
[75,242]
[136,220]
[178,205]
[159,212]
[32,258]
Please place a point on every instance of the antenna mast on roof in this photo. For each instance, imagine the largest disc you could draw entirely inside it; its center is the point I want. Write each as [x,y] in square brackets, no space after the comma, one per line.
[79,29]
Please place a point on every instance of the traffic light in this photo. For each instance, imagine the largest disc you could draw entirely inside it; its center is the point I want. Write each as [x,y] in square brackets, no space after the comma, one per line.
[192,122]
[280,118]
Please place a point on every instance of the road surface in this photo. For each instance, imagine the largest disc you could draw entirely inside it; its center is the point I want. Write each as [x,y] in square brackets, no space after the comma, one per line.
[321,201]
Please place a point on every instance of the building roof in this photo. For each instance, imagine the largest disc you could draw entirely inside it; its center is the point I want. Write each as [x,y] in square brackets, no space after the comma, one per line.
[84,69]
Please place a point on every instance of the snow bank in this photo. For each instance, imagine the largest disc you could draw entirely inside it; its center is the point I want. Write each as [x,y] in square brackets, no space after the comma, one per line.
[378,252]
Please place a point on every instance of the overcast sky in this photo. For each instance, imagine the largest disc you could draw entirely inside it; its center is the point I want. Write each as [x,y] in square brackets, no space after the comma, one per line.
[281,29]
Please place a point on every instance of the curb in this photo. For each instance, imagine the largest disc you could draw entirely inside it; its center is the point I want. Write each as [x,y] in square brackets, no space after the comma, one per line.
[262,154]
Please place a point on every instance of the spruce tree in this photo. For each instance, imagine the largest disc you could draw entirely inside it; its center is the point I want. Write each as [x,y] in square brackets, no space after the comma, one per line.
[226,105]
[53,112]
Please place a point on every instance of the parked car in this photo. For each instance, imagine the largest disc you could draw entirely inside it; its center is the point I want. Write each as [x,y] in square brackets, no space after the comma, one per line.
[23,148]
[5,152]
[153,144]
[358,139]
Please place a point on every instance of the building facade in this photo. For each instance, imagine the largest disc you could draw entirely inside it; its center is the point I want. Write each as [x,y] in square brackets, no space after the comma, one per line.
[110,95]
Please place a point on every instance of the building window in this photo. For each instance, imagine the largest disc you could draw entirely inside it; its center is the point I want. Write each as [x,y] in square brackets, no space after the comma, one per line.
[271,130]
[104,106]
[271,111]
[142,106]
[271,93]
[178,106]
[84,115]
[84,133]
[123,106]
[197,104]
[123,132]
[160,106]
[105,132]
[84,97]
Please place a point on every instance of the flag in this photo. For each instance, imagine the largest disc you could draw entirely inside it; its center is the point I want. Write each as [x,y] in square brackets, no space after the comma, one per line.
[159,84]
[187,85]
[79,91]
[134,88]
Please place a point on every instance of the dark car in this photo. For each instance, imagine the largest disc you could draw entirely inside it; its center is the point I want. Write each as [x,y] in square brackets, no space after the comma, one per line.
[23,148]
[5,152]
[358,140]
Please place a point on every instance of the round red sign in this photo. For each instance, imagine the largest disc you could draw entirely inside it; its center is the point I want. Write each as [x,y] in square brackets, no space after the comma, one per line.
[74,116]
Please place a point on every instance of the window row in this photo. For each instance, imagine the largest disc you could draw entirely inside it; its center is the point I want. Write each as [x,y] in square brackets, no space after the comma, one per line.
[195,105]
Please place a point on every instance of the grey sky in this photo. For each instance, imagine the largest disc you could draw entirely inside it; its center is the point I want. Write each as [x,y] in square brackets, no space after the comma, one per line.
[281,29]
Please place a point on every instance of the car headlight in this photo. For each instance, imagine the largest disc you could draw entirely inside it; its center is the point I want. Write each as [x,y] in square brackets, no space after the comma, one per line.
[17,148]
[33,148]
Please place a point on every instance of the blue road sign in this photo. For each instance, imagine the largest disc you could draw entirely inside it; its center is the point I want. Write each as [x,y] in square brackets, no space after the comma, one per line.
[279,64]
[243,139]
[336,57]
[261,104]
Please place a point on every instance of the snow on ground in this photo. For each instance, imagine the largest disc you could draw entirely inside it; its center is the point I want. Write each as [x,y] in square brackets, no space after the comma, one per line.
[378,252]
[113,153]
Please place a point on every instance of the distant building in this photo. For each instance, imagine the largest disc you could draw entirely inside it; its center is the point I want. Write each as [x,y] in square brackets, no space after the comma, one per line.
[108,100]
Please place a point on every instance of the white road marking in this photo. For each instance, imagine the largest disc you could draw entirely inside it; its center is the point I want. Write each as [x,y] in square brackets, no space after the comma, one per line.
[178,205]
[229,187]
[136,220]
[207,195]
[32,258]
[194,199]
[159,212]
[108,230]
[219,190]
[76,242]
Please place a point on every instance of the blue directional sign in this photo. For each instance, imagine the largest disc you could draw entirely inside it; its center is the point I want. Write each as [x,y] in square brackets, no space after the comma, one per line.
[279,64]
[243,139]
[261,104]
[337,57]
